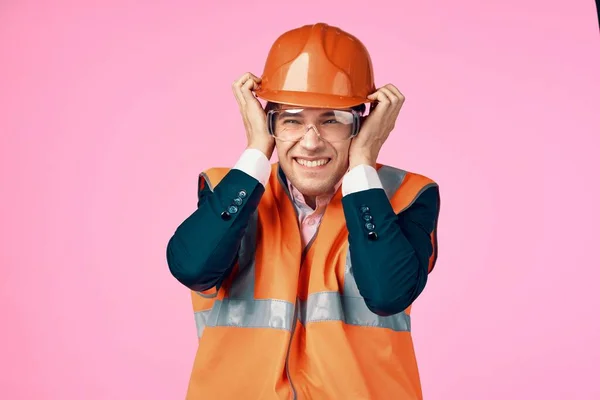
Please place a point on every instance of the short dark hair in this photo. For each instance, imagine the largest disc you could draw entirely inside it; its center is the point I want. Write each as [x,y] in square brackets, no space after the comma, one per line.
[361,108]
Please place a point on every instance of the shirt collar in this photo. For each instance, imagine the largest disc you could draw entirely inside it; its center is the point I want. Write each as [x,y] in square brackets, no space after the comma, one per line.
[321,200]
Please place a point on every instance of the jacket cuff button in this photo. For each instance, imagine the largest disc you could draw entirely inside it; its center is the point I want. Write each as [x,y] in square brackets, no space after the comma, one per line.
[232,209]
[225,216]
[372,235]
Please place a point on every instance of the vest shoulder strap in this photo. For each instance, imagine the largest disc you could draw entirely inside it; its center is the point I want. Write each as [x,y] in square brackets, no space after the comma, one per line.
[211,177]
[403,188]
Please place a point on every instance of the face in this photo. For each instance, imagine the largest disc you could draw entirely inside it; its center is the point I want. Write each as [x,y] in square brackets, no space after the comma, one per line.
[313,165]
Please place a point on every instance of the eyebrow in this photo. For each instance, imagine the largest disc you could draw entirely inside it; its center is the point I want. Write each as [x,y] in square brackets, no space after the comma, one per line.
[329,113]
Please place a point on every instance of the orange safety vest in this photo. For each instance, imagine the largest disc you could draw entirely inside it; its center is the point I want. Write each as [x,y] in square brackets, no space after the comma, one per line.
[291,324]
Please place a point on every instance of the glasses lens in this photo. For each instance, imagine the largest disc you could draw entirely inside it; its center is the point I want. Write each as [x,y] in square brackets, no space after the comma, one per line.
[331,125]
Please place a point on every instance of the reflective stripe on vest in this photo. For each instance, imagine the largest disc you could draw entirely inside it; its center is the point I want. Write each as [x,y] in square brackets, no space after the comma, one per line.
[240,309]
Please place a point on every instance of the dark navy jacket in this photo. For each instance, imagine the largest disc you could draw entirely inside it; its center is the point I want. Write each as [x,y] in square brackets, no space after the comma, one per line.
[390,266]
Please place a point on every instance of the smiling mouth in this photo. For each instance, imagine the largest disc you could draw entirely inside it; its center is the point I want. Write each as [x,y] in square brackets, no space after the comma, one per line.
[312,163]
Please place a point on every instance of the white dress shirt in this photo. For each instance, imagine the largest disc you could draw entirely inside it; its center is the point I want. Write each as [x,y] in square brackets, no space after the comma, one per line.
[362,177]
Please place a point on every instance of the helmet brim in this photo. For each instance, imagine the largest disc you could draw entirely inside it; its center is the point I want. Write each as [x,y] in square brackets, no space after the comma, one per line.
[313,100]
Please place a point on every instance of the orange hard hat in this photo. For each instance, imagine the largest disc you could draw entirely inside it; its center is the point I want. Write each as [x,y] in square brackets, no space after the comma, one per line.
[317,66]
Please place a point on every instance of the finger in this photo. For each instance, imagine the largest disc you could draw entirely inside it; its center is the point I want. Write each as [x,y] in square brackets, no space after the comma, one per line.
[239,84]
[381,101]
[245,78]
[255,78]
[236,88]
[394,100]
[397,95]
[379,98]
[238,97]
[395,90]
[242,79]
[251,84]
[246,91]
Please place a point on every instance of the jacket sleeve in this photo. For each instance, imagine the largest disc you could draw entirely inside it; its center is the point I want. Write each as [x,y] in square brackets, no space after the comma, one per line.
[203,250]
[391,264]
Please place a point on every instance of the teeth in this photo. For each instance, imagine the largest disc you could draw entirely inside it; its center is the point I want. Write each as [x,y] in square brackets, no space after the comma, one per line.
[315,163]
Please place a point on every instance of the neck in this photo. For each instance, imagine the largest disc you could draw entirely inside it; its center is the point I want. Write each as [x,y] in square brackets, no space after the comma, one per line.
[311,201]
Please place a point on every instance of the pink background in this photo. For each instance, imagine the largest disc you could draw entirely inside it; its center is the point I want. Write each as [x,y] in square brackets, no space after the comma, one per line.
[109,112]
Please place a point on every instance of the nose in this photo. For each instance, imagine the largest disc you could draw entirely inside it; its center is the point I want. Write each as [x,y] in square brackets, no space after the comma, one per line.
[311,139]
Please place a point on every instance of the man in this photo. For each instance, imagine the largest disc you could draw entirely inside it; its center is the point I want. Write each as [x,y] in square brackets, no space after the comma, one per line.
[303,272]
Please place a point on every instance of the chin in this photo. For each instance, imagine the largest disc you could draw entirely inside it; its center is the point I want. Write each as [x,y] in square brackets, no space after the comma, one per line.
[312,191]
[314,187]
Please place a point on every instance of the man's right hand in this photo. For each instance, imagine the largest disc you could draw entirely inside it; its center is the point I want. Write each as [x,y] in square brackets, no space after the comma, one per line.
[253,114]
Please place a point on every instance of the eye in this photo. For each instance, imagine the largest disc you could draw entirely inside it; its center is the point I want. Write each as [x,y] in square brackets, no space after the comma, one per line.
[290,121]
[331,121]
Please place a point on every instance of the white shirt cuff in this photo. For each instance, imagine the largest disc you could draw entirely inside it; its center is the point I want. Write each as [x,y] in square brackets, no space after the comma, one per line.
[256,164]
[362,177]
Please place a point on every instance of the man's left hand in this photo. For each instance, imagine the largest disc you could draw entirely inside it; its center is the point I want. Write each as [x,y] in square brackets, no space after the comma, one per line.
[376,128]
